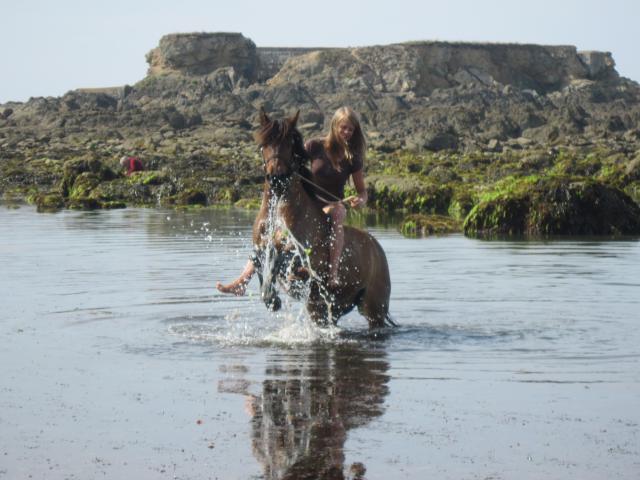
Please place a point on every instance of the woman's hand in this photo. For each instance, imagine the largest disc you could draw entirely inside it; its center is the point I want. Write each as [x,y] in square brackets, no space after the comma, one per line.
[355,201]
[359,200]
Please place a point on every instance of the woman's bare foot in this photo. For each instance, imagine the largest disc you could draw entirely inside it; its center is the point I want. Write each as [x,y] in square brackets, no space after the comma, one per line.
[237,287]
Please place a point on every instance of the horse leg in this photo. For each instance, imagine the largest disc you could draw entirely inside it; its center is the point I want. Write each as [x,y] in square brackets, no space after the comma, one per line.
[374,305]
[318,306]
[375,312]
[268,289]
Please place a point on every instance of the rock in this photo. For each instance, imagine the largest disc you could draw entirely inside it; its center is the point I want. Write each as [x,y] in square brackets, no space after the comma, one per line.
[434,141]
[536,161]
[461,204]
[407,91]
[203,92]
[555,206]
[174,118]
[228,136]
[615,124]
[326,71]
[442,174]
[190,197]
[75,167]
[82,186]
[494,145]
[599,64]
[84,204]
[392,193]
[632,135]
[49,202]
[418,225]
[632,170]
[523,141]
[441,141]
[202,53]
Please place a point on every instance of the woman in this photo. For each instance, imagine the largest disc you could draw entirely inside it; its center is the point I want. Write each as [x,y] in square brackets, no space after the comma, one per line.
[334,159]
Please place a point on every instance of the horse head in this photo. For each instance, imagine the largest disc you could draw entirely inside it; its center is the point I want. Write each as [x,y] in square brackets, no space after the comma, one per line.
[282,150]
[283,155]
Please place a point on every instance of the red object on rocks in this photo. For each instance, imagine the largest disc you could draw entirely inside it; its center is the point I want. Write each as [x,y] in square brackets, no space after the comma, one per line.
[133,164]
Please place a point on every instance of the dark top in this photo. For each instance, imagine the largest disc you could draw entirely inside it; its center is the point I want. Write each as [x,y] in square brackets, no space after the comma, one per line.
[325,175]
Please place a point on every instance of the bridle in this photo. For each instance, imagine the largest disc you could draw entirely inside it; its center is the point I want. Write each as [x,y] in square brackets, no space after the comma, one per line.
[279,183]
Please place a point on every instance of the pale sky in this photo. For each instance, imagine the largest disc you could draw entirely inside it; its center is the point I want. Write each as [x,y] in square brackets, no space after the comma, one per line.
[50,47]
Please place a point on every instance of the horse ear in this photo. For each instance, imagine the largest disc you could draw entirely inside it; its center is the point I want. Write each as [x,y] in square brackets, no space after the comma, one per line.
[264,119]
[293,120]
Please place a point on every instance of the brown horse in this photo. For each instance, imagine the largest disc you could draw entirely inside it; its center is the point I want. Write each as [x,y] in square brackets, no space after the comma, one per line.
[299,255]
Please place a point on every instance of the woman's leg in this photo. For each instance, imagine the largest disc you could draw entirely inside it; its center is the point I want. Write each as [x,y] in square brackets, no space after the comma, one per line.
[239,285]
[337,212]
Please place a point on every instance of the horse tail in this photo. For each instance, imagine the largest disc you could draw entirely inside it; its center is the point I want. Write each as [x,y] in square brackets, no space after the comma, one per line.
[389,322]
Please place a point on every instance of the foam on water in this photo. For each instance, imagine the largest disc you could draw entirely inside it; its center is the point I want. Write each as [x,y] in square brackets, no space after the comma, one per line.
[287,328]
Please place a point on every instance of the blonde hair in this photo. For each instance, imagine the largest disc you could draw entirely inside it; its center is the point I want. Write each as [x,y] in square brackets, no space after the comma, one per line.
[336,147]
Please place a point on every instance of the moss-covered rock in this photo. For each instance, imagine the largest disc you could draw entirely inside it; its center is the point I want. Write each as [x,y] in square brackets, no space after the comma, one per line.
[187,197]
[74,167]
[461,204]
[48,202]
[249,203]
[393,193]
[633,190]
[112,205]
[152,177]
[553,206]
[83,185]
[418,225]
[84,204]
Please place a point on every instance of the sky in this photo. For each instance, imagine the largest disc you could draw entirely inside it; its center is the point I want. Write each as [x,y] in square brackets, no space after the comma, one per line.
[50,47]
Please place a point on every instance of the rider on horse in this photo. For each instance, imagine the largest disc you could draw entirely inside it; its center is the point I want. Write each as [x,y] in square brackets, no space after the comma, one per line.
[334,159]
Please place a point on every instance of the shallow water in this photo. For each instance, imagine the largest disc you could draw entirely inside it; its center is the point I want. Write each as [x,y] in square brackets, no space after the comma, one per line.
[120,360]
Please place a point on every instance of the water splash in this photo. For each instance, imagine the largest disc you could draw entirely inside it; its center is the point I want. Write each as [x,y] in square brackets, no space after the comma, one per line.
[299,258]
[287,328]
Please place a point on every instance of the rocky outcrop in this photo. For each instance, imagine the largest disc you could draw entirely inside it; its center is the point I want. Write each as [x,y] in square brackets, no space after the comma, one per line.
[422,67]
[554,206]
[464,113]
[418,95]
[203,53]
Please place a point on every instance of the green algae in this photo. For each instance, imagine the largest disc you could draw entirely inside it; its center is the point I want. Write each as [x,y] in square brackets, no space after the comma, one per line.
[453,184]
[553,205]
[418,225]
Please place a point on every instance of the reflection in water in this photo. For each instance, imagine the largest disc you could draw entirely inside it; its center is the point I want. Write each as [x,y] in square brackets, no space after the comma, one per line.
[309,402]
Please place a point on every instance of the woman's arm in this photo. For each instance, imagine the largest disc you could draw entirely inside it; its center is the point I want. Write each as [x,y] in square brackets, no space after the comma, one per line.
[358,181]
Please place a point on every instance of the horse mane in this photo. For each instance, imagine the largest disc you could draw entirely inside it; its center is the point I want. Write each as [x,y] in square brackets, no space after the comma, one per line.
[279,131]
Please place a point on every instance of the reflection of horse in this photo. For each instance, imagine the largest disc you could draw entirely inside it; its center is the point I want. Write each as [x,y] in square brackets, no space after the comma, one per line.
[309,403]
[363,272]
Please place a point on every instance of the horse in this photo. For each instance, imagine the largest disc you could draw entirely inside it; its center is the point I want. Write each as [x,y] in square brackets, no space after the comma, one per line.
[297,253]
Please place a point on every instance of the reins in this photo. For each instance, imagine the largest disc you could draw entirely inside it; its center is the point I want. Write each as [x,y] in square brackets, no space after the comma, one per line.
[318,187]
[313,184]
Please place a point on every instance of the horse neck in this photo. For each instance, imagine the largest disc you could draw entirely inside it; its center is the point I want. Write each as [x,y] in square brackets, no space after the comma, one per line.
[299,212]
